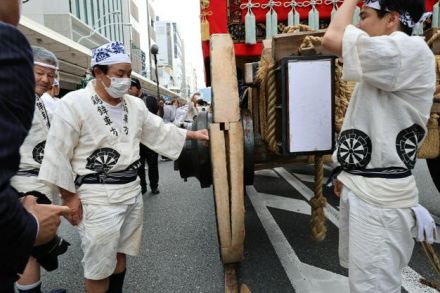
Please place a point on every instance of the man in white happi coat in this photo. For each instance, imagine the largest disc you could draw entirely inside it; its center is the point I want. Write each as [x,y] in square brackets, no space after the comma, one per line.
[377,148]
[31,155]
[92,155]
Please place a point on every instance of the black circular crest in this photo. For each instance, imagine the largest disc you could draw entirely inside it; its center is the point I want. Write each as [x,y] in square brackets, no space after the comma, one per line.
[102,160]
[407,144]
[354,149]
[38,152]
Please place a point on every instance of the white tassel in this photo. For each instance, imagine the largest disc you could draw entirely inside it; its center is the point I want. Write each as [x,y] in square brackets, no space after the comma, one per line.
[435,15]
[356,16]
[293,18]
[250,23]
[313,20]
[268,25]
[274,23]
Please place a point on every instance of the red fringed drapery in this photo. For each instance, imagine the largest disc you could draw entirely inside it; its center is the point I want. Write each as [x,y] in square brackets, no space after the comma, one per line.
[228,17]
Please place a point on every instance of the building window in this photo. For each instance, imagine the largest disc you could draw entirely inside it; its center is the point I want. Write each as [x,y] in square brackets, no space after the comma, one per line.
[84,12]
[75,8]
[92,13]
[134,11]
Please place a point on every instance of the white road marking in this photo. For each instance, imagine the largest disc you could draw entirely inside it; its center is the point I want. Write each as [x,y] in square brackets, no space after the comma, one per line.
[331,212]
[267,173]
[303,277]
[308,178]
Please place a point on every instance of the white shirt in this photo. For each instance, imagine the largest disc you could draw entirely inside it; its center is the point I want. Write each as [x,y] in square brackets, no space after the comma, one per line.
[50,103]
[116,114]
[169,113]
[386,120]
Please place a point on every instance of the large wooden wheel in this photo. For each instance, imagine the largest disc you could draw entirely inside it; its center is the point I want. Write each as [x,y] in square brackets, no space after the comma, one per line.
[226,142]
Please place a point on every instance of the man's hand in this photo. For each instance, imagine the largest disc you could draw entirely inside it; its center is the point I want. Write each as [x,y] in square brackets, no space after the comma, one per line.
[426,228]
[73,201]
[337,188]
[201,134]
[48,217]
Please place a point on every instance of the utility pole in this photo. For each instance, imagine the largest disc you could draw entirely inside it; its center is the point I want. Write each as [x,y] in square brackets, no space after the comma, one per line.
[154,50]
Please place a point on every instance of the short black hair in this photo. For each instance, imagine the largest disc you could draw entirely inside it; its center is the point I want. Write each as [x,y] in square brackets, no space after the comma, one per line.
[136,83]
[103,68]
[415,8]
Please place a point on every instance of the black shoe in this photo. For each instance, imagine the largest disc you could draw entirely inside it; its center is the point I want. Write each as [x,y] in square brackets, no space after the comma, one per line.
[144,190]
[155,190]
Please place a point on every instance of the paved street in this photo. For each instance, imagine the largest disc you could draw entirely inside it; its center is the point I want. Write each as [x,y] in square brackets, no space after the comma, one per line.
[179,247]
[180,254]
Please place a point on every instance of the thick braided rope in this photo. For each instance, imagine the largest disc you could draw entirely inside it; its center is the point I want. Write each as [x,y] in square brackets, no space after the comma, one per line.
[261,77]
[271,109]
[432,256]
[342,96]
[297,28]
[310,42]
[318,202]
[437,90]
[433,38]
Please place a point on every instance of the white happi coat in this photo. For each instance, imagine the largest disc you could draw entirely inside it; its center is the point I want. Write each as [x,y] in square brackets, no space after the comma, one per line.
[31,155]
[50,103]
[80,139]
[386,120]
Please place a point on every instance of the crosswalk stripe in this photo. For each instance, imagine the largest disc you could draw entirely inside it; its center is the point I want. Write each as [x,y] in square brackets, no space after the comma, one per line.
[303,277]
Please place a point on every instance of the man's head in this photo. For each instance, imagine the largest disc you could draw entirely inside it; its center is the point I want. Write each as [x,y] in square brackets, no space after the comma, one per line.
[112,69]
[383,17]
[10,11]
[175,102]
[195,97]
[201,102]
[135,87]
[45,68]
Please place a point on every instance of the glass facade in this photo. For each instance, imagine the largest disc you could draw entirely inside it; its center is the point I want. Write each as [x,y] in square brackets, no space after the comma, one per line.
[100,15]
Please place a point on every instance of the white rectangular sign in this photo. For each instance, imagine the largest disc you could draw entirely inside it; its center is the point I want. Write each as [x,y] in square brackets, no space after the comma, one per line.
[310,105]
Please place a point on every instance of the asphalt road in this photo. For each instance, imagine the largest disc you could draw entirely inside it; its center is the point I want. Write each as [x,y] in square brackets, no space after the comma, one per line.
[180,249]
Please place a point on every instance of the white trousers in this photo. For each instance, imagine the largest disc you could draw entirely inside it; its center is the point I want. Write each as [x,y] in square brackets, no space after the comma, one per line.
[374,244]
[106,230]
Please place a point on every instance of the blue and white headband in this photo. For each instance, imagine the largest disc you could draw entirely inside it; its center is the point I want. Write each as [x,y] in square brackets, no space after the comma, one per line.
[109,54]
[405,17]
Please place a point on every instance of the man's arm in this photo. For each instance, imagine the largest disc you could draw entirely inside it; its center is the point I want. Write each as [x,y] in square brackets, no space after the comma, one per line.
[332,40]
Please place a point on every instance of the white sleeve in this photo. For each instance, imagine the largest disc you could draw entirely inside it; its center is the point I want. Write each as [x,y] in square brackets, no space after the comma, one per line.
[163,138]
[374,60]
[61,141]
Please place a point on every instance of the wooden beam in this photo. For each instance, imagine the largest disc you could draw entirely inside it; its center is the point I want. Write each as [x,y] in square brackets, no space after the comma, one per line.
[221,185]
[225,100]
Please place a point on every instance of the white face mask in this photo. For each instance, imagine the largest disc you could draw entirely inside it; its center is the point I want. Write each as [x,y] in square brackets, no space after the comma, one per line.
[118,86]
